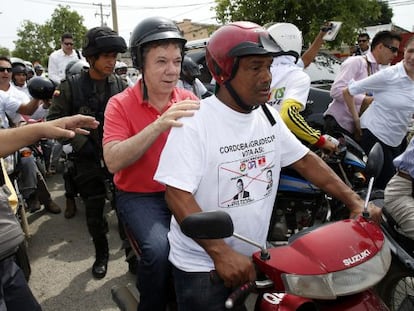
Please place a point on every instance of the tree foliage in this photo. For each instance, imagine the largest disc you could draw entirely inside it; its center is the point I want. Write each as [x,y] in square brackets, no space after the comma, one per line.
[36,41]
[308,15]
[4,51]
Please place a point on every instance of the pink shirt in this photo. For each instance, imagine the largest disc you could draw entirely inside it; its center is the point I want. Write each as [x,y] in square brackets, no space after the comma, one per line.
[353,68]
[127,114]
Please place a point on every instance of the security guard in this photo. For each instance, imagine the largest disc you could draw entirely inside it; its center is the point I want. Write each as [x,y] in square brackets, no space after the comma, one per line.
[88,93]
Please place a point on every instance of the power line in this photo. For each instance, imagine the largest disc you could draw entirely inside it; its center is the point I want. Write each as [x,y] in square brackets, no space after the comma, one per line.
[400,2]
[129,7]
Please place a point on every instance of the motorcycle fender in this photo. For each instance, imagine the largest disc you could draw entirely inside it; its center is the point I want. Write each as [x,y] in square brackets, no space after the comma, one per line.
[285,302]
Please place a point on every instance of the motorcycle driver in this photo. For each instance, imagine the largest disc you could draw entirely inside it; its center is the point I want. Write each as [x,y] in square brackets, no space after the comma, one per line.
[290,86]
[88,93]
[234,135]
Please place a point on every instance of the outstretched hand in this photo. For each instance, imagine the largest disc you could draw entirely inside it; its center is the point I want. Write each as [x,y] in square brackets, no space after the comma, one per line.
[67,127]
[185,108]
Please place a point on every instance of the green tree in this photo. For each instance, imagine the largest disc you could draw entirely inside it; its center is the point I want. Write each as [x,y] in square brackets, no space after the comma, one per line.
[35,42]
[32,44]
[307,15]
[4,51]
[384,18]
[63,20]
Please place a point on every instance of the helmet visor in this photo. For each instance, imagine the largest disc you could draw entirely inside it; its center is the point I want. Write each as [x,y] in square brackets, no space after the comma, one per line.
[266,46]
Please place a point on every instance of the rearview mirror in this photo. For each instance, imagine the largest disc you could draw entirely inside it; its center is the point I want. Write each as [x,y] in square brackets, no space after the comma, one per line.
[208,225]
[375,161]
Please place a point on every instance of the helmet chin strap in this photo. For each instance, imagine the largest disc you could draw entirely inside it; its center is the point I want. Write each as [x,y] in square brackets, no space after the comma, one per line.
[237,99]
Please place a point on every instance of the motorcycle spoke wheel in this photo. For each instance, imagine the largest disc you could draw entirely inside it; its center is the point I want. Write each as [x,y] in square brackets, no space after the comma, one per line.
[397,288]
[402,297]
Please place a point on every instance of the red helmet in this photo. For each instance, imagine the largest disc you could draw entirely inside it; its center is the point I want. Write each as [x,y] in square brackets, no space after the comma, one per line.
[235,40]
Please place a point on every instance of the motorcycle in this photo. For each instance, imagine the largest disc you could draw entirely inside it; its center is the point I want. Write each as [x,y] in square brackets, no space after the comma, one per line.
[313,271]
[299,204]
[397,287]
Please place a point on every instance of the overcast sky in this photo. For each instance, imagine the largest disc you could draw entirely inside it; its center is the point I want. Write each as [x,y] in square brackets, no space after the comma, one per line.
[130,12]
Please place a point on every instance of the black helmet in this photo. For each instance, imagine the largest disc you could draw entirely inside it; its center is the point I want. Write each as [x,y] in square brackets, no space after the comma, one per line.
[190,66]
[102,39]
[75,66]
[189,69]
[38,67]
[41,87]
[19,67]
[149,30]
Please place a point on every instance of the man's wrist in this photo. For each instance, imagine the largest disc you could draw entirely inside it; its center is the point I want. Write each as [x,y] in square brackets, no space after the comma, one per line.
[321,141]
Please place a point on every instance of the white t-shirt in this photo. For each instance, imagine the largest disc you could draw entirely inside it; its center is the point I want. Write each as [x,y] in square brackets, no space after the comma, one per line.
[289,81]
[9,106]
[21,97]
[210,153]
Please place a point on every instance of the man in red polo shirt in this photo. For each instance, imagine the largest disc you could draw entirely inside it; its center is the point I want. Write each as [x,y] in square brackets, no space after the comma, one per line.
[137,123]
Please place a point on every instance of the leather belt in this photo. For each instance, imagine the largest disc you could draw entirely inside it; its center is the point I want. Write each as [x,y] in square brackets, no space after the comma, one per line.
[404,175]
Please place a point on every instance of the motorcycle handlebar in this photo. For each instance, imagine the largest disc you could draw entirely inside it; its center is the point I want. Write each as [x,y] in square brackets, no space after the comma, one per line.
[240,293]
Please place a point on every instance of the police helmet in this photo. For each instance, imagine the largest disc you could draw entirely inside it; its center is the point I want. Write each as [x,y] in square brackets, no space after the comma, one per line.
[102,40]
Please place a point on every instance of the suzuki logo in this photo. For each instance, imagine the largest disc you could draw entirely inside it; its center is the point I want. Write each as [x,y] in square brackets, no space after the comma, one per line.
[273,298]
[357,258]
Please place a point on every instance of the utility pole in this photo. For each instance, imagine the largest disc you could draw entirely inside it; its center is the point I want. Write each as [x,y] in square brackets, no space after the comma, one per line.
[114,16]
[101,14]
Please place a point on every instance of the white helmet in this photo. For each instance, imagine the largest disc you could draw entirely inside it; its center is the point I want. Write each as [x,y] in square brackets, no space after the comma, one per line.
[288,37]
[119,65]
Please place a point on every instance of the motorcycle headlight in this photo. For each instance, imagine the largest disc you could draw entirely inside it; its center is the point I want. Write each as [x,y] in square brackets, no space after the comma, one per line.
[340,283]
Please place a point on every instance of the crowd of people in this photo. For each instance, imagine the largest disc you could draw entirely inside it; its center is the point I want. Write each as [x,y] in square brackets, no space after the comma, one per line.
[136,130]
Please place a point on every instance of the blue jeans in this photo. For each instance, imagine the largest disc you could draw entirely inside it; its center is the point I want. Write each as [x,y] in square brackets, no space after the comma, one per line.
[148,218]
[196,291]
[15,294]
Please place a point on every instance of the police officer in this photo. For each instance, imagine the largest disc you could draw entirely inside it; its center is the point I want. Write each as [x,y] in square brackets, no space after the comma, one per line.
[87,93]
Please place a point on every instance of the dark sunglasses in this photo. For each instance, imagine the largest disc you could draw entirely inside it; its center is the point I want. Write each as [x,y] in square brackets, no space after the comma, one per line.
[67,43]
[392,48]
[362,40]
[3,69]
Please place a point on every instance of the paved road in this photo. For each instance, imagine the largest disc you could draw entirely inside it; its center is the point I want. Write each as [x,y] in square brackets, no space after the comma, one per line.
[62,254]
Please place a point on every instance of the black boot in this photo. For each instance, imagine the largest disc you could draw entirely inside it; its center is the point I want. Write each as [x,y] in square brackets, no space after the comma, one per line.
[100,265]
[33,203]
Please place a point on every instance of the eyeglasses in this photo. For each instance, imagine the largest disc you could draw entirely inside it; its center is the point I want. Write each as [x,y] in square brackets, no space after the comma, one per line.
[362,40]
[68,43]
[3,69]
[392,48]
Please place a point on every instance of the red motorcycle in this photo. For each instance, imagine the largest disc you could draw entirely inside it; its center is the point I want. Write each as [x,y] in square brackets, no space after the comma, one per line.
[327,267]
